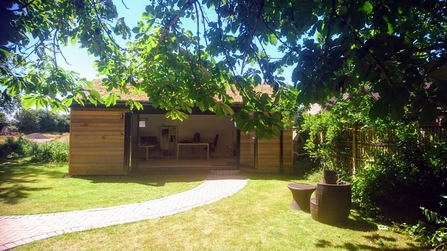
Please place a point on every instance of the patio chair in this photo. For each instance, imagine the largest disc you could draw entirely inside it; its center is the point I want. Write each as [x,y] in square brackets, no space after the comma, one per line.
[332,203]
[213,145]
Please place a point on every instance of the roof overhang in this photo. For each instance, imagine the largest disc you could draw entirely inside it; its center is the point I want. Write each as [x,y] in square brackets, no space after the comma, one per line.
[147,108]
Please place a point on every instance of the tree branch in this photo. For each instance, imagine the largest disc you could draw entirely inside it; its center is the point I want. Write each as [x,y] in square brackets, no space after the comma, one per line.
[103,26]
[357,38]
[326,46]
[194,74]
[219,22]
[274,33]
[24,5]
[198,34]
[33,48]
[258,16]
[62,54]
[204,20]
[259,61]
[125,6]
[54,47]
[432,47]
[174,19]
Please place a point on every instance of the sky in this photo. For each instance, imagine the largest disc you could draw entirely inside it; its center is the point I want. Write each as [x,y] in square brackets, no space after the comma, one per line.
[79,60]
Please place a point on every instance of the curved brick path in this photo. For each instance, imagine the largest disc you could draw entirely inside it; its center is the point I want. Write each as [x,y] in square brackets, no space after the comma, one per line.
[19,230]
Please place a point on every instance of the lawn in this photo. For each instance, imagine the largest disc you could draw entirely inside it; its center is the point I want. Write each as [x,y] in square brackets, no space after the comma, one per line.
[256,218]
[27,188]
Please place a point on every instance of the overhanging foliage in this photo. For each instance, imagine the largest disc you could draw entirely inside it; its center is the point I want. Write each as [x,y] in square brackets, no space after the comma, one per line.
[396,47]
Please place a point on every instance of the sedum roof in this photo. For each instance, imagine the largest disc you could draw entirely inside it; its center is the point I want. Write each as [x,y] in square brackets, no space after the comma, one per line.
[142,96]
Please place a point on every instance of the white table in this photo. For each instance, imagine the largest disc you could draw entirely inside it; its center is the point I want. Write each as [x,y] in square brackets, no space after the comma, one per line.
[147,149]
[195,144]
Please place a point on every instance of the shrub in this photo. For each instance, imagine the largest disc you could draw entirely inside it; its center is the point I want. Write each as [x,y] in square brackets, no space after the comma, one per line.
[42,153]
[44,121]
[27,121]
[12,147]
[431,232]
[305,165]
[48,152]
[407,181]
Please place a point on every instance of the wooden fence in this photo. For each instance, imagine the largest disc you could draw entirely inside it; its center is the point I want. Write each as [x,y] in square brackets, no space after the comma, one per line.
[357,144]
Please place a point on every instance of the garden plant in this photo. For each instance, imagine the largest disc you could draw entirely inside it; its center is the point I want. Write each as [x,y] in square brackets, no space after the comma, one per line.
[413,177]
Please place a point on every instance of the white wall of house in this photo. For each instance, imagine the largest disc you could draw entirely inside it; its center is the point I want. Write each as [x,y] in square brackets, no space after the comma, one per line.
[207,125]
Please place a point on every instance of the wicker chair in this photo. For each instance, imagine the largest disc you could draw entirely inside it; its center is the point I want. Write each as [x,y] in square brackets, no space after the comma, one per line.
[332,203]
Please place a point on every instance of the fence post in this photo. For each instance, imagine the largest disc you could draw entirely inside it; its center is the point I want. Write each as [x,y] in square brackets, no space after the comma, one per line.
[354,149]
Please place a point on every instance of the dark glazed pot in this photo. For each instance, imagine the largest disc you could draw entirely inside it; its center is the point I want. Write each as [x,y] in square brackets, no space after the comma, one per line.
[330,177]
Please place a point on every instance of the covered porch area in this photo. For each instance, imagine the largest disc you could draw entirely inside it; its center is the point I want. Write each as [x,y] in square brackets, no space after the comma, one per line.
[202,141]
[227,163]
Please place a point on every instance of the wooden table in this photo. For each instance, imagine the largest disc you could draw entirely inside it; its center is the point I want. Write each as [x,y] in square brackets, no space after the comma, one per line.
[301,196]
[195,144]
[147,149]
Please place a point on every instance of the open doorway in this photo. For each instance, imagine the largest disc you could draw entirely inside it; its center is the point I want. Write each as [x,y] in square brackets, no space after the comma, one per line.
[201,141]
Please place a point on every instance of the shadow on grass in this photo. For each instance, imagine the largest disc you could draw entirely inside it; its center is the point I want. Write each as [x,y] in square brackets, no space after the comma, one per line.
[13,194]
[277,176]
[358,223]
[151,178]
[382,243]
[15,177]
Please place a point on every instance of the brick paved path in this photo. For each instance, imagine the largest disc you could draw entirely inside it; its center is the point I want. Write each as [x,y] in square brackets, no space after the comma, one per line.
[19,230]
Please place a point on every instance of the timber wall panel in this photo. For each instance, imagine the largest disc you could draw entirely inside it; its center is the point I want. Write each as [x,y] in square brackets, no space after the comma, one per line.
[288,151]
[97,142]
[85,118]
[269,153]
[91,143]
[104,125]
[246,155]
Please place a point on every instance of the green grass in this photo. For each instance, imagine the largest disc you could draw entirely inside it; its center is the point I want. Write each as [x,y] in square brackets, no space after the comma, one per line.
[27,188]
[256,218]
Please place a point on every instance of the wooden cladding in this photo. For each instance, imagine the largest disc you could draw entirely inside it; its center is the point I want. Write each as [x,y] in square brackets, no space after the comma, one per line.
[97,145]
[287,151]
[269,153]
[246,155]
[97,142]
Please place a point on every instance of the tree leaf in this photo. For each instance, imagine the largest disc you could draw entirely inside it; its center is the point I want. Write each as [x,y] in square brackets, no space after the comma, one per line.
[428,114]
[110,99]
[73,41]
[343,10]
[367,7]
[273,40]
[439,73]
[221,109]
[136,29]
[67,102]
[28,101]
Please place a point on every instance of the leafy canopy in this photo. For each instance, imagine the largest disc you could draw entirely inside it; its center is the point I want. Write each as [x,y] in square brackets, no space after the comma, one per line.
[398,48]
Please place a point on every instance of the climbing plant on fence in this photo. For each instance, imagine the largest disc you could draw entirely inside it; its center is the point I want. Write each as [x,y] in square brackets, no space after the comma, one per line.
[343,137]
[329,130]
